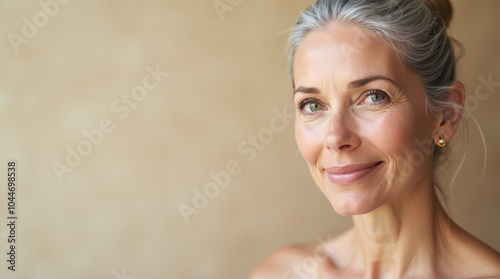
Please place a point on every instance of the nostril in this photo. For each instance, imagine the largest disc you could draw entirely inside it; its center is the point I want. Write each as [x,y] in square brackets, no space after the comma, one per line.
[344,146]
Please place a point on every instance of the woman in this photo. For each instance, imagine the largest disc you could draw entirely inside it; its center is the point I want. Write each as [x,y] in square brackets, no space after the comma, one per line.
[377,102]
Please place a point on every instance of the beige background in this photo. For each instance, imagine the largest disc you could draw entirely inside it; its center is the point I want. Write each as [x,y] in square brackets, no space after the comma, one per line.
[117,213]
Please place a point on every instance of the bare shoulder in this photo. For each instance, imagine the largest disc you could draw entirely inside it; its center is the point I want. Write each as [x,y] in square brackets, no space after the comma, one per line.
[282,261]
[486,260]
[302,260]
[476,258]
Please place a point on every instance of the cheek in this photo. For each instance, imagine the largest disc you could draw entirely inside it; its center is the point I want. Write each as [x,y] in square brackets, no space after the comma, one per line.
[309,139]
[397,136]
[392,133]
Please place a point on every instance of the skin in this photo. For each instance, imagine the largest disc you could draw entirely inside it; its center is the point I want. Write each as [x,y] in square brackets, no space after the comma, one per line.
[357,103]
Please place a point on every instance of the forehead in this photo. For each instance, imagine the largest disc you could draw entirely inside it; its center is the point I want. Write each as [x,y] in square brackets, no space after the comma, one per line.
[344,52]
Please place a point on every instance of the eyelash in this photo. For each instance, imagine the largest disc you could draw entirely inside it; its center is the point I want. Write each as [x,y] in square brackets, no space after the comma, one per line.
[303,103]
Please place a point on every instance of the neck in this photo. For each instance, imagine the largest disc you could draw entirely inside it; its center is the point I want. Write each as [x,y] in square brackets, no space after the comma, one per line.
[402,235]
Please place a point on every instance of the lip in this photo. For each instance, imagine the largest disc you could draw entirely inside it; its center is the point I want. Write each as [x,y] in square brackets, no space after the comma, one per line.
[350,173]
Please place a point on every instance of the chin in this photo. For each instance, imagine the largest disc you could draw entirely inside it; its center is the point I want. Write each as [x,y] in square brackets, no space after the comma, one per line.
[350,204]
[351,211]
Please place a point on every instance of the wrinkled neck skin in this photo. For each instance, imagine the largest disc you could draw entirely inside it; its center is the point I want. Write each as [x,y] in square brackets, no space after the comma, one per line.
[404,238]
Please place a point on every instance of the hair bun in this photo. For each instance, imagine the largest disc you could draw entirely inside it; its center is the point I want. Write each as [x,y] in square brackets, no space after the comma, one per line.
[443,8]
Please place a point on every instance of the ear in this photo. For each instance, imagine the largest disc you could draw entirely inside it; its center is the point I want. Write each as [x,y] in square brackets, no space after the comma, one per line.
[449,119]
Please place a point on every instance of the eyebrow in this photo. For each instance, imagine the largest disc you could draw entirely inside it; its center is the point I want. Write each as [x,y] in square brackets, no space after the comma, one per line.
[352,85]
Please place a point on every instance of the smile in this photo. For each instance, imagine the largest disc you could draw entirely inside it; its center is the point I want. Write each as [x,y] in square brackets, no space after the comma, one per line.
[350,173]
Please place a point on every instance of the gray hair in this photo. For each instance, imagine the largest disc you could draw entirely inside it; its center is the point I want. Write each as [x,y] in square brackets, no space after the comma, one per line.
[415,31]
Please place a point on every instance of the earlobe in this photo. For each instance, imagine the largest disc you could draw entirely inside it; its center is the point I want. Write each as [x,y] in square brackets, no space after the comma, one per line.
[452,115]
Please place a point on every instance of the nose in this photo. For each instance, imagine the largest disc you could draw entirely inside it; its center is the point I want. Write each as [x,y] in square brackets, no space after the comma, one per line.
[341,134]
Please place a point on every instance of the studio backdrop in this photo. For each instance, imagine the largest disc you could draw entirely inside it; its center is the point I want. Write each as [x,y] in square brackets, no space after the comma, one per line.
[155,139]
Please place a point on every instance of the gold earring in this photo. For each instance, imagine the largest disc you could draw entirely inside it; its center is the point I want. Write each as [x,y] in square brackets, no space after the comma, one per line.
[442,141]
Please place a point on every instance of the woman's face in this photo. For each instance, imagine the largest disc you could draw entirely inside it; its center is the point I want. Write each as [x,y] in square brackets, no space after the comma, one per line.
[361,122]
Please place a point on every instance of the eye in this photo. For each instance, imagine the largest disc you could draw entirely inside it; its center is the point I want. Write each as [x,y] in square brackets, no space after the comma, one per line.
[375,97]
[311,106]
